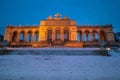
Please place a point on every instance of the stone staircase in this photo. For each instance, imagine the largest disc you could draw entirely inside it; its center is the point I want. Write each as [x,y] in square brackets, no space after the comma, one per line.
[56,52]
[57,43]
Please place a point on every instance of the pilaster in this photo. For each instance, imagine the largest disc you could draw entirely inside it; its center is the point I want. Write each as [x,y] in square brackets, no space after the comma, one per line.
[53,35]
[62,35]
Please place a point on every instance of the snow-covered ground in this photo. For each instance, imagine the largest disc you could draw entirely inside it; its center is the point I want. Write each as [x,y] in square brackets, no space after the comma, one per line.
[54,67]
[47,48]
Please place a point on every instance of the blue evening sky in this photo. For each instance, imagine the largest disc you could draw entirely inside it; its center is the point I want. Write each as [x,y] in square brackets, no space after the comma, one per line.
[83,11]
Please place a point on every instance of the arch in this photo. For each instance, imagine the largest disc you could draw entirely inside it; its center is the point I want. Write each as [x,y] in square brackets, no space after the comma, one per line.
[102,35]
[57,28]
[57,34]
[87,36]
[66,28]
[49,28]
[95,36]
[79,36]
[21,36]
[36,36]
[29,36]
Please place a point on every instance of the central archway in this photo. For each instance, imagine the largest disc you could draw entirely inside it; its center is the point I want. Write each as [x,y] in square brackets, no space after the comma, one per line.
[57,35]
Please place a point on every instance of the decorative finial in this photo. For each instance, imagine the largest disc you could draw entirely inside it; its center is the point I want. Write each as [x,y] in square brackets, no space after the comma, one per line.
[66,17]
[50,17]
[57,16]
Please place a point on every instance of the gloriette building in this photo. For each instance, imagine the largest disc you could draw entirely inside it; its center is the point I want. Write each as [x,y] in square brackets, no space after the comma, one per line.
[58,31]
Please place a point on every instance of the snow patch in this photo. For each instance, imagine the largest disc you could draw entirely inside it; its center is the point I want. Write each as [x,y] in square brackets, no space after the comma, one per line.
[37,67]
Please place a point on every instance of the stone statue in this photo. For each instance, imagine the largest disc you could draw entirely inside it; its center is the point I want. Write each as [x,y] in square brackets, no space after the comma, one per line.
[50,17]
[57,16]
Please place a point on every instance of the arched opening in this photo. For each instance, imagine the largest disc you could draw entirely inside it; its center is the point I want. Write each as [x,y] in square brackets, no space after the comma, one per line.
[36,36]
[95,36]
[102,35]
[29,36]
[49,36]
[87,36]
[21,37]
[66,35]
[79,36]
[57,35]
[14,36]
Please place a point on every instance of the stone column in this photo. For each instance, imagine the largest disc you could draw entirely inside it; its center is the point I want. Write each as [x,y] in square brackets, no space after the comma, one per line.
[99,38]
[37,37]
[17,37]
[62,35]
[53,35]
[32,36]
[91,36]
[82,36]
[25,37]
[87,36]
[10,37]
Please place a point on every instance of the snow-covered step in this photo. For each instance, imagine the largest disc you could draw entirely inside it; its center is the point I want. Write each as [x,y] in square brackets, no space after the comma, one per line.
[56,52]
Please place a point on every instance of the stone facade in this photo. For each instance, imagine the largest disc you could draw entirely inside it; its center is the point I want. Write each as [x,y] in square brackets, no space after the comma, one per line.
[58,31]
